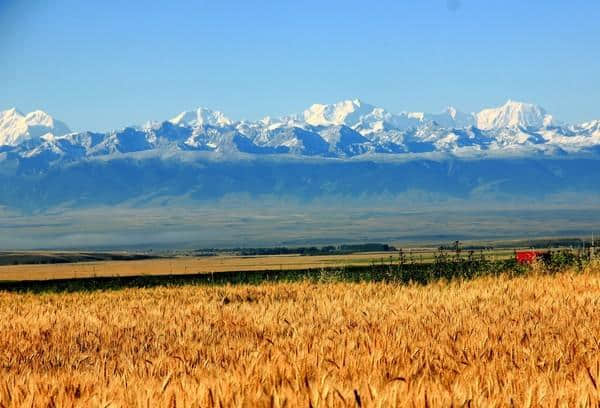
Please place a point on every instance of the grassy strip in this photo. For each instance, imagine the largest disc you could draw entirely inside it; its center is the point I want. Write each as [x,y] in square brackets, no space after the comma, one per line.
[391,272]
[446,266]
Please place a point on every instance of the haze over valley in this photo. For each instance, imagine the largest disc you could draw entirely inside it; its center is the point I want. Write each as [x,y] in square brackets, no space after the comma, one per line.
[277,180]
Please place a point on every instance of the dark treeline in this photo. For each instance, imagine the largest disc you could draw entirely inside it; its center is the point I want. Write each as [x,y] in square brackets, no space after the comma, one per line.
[312,250]
[529,243]
[26,258]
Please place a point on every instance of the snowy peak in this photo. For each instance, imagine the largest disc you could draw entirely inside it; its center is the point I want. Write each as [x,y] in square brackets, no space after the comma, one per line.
[461,119]
[11,112]
[367,118]
[341,130]
[347,113]
[200,117]
[15,127]
[39,118]
[358,115]
[513,114]
[449,118]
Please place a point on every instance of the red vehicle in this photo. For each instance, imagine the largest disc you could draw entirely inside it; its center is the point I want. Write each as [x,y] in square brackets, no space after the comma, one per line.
[527,257]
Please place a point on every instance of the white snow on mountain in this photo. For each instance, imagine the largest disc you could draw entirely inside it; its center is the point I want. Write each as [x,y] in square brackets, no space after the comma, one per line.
[201,116]
[368,119]
[346,113]
[379,120]
[344,129]
[574,137]
[15,127]
[513,114]
[593,128]
[450,118]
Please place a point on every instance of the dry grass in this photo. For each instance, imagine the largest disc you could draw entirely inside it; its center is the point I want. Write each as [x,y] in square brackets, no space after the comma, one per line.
[528,341]
[221,263]
[184,265]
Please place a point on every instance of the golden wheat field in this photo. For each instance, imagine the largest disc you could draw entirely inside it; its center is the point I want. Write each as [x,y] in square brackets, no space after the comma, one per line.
[526,341]
[184,265]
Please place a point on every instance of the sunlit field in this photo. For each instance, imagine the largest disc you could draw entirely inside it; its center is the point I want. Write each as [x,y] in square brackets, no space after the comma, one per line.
[188,265]
[532,340]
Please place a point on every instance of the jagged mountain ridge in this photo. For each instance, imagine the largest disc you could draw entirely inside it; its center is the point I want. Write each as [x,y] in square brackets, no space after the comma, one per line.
[16,127]
[349,149]
[346,129]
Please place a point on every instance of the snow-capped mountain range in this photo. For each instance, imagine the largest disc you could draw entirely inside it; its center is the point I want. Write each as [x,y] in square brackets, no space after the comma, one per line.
[343,151]
[345,129]
[16,128]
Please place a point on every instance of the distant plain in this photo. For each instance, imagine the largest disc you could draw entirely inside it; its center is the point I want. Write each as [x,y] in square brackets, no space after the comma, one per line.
[227,224]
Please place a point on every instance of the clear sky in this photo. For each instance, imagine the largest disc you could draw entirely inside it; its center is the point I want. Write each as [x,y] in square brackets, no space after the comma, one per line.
[104,64]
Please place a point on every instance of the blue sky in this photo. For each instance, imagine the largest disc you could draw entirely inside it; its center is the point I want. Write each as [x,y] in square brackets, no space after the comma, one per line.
[104,64]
